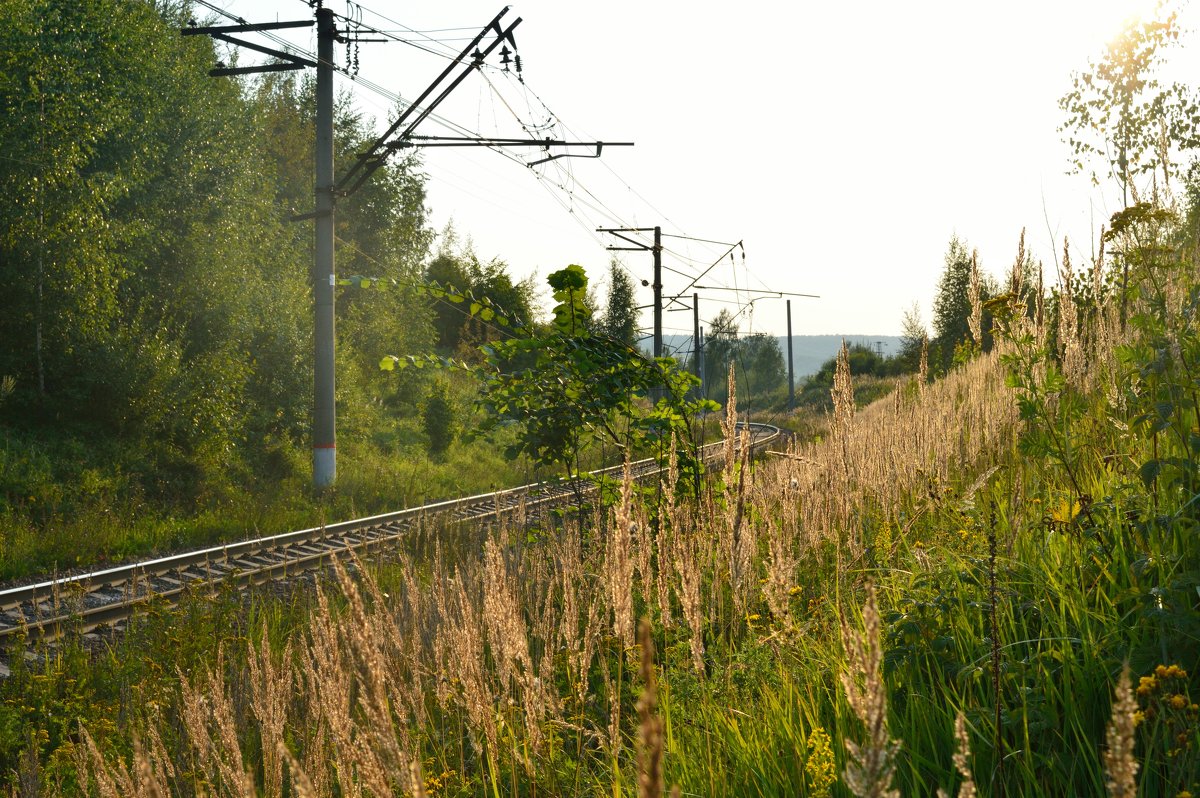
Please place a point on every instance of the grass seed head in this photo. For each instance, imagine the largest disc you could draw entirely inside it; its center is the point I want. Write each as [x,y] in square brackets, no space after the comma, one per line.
[1120,764]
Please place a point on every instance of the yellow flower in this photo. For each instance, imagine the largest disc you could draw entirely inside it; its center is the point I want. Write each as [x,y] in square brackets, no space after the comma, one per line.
[820,766]
[1178,702]
[1138,717]
[1066,512]
[1162,672]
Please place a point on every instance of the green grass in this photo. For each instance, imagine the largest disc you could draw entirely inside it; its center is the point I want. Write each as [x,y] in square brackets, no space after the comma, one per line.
[65,505]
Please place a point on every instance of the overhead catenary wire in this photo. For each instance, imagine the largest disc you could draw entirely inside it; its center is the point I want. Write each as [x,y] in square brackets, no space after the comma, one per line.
[366,83]
[567,177]
[665,217]
[567,181]
[581,203]
[451,52]
[559,179]
[561,185]
[728,253]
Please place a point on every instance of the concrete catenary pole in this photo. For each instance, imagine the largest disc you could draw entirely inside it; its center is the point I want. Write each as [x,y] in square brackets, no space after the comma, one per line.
[324,411]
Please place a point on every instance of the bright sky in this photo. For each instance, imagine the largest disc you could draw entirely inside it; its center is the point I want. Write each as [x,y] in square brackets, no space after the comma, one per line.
[843,143]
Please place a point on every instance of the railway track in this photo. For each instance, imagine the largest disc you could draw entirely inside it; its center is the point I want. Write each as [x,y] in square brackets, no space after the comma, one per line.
[107,598]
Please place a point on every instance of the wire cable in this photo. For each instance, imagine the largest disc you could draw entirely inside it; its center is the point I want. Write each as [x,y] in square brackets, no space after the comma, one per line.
[558,178]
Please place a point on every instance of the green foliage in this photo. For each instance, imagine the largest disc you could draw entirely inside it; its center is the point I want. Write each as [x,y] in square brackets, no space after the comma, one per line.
[1050,409]
[131,294]
[1160,400]
[441,419]
[952,309]
[864,362]
[759,366]
[1118,112]
[568,387]
[620,314]
[157,324]
[572,315]
[913,338]
[470,295]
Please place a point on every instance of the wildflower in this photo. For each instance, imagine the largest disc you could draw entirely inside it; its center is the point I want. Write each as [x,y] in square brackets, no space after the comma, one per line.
[795,591]
[1066,512]
[819,766]
[1177,701]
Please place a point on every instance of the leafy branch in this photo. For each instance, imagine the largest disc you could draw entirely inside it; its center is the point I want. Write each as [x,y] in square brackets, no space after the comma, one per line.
[566,387]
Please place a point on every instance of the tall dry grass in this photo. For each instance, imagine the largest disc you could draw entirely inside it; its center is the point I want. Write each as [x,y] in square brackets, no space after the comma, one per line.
[514,665]
[483,663]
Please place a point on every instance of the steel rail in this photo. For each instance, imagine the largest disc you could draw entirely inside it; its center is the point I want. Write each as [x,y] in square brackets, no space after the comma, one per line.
[87,601]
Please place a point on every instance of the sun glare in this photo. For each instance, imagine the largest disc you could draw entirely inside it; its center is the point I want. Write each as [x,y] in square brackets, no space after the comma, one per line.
[1121,15]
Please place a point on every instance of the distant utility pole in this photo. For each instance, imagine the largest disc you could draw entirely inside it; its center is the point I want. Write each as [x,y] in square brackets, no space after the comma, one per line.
[655,248]
[326,190]
[791,362]
[769,292]
[697,350]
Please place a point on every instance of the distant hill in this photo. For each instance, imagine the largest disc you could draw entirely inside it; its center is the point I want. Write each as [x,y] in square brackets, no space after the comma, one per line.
[808,351]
